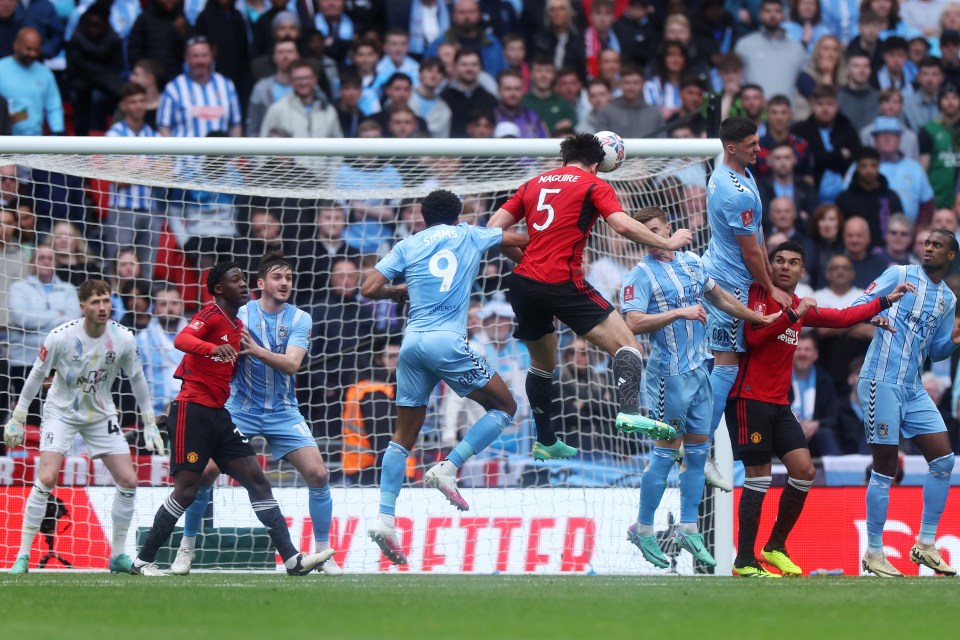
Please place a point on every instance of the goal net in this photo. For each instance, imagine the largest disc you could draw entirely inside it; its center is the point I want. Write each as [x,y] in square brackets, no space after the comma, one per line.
[151,217]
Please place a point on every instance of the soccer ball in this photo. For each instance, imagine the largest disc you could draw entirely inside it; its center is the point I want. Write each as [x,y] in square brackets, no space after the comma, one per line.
[614,153]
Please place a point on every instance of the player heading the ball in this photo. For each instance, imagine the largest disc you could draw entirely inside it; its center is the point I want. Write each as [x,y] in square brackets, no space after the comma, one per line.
[560,208]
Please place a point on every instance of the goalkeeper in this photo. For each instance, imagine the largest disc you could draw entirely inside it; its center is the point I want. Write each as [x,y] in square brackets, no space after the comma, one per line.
[87,355]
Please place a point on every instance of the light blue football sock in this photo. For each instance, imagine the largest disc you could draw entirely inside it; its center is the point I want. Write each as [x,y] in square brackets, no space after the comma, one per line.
[480,436]
[936,487]
[321,512]
[653,481]
[721,378]
[193,516]
[692,482]
[391,477]
[878,499]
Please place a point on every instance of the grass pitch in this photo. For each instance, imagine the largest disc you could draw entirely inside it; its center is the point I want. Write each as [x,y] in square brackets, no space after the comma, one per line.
[67,606]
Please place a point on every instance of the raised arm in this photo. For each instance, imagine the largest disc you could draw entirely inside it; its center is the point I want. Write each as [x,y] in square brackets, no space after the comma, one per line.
[376,287]
[640,322]
[759,267]
[728,304]
[504,220]
[638,232]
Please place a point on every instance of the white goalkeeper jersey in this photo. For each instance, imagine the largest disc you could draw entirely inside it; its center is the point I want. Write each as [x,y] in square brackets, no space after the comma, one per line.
[86,369]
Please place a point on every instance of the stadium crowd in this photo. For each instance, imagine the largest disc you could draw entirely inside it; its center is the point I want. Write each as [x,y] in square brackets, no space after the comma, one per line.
[858,105]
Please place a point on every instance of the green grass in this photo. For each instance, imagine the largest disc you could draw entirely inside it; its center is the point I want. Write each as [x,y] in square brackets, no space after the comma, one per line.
[68,606]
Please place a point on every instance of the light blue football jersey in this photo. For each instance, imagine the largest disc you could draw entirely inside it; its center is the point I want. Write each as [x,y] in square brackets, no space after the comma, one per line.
[257,388]
[654,286]
[440,264]
[733,209]
[923,320]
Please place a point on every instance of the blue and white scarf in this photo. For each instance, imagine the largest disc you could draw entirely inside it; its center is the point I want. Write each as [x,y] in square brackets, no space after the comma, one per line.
[417,44]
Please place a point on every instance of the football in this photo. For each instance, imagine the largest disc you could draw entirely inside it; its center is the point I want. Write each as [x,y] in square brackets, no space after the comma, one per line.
[614,153]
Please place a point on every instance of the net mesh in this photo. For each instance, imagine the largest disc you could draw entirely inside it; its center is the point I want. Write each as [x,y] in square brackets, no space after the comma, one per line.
[152,226]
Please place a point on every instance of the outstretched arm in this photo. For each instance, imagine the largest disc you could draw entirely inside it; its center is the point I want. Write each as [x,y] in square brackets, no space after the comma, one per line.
[504,220]
[638,232]
[376,287]
[728,304]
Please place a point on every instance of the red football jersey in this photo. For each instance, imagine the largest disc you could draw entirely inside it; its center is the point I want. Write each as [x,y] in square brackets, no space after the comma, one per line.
[206,379]
[767,367]
[560,207]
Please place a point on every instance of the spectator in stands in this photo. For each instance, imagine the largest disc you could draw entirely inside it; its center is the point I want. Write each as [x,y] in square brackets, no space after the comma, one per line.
[131,221]
[124,269]
[330,20]
[146,73]
[610,67]
[770,58]
[480,124]
[944,219]
[568,85]
[262,28]
[806,23]
[586,399]
[782,180]
[857,99]
[341,342]
[839,293]
[663,88]
[402,122]
[369,229]
[850,413]
[271,89]
[559,38]
[898,240]
[286,26]
[42,16]
[812,399]
[890,105]
[94,66]
[201,100]
[160,33]
[856,242]
[315,256]
[397,91]
[369,417]
[730,70]
[890,12]
[826,231]
[629,115]
[160,357]
[515,57]
[920,107]
[690,113]
[904,175]
[824,67]
[751,105]
[464,94]
[777,130]
[396,45]
[510,108]
[600,95]
[466,30]
[26,227]
[950,55]
[508,357]
[226,28]
[12,19]
[13,260]
[424,20]
[553,110]
[9,186]
[834,143]
[305,112]
[426,102]
[895,74]
[135,295]
[716,29]
[30,88]
[677,27]
[866,38]
[598,37]
[869,195]
[364,55]
[938,149]
[638,35]
[264,235]
[74,262]
[784,219]
[348,105]
[36,304]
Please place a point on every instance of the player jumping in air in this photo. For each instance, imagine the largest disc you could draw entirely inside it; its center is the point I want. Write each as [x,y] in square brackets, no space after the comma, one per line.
[263,402]
[895,404]
[86,354]
[662,296]
[560,208]
[735,257]
[440,264]
[201,428]
[758,412]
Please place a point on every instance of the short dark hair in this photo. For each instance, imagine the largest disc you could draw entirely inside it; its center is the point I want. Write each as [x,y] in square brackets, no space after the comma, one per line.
[396,31]
[583,148]
[467,52]
[216,274]
[398,76]
[435,63]
[96,287]
[949,235]
[509,73]
[868,153]
[132,89]
[736,128]
[780,100]
[776,2]
[543,60]
[650,213]
[894,43]
[302,64]
[930,61]
[477,115]
[271,262]
[823,91]
[793,247]
[350,78]
[441,207]
[631,70]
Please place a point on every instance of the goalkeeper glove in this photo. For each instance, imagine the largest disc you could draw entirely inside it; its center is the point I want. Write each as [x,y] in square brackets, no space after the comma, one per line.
[151,434]
[13,431]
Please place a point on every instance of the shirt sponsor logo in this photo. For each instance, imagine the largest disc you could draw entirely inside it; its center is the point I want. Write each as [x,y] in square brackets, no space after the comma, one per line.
[207,112]
[790,336]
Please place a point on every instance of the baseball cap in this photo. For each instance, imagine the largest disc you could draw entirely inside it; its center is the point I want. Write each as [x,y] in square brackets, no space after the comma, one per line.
[885,124]
[506,130]
[496,308]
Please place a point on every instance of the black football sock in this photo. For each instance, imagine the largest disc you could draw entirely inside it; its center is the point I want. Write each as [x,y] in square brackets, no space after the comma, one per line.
[751,504]
[627,370]
[163,524]
[791,505]
[268,512]
[540,390]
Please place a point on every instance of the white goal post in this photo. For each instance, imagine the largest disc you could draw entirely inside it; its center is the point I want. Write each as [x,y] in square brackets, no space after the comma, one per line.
[208,199]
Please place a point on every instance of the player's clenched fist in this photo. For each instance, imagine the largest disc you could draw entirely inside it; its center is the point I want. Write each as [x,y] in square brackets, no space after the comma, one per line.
[680,238]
